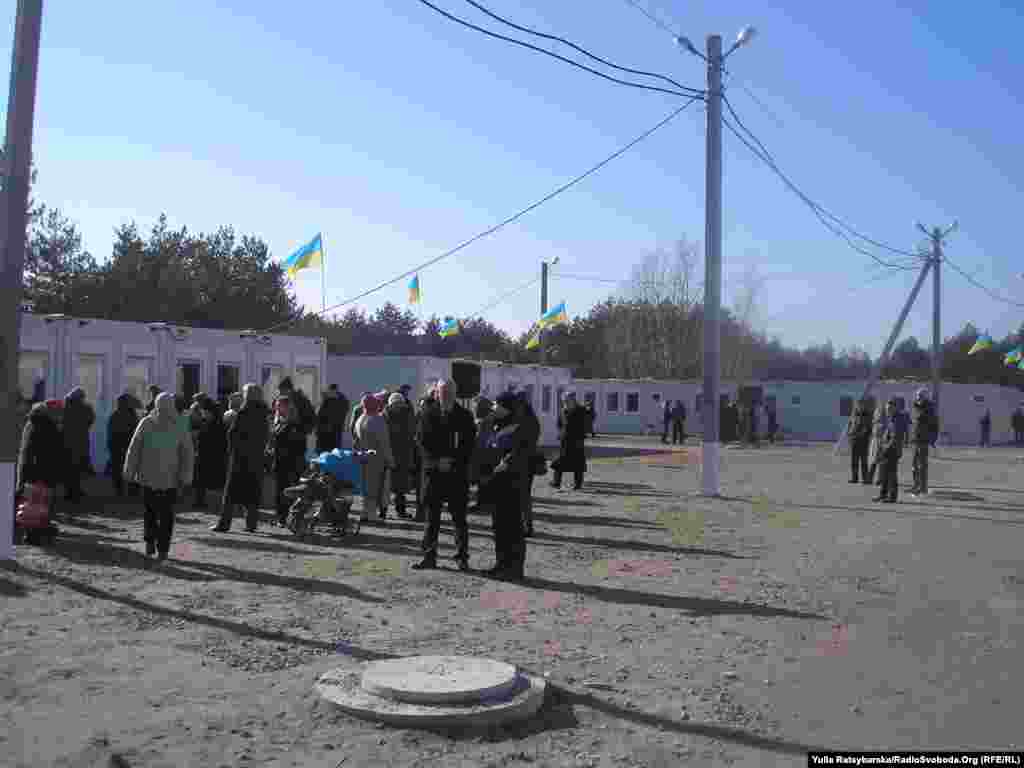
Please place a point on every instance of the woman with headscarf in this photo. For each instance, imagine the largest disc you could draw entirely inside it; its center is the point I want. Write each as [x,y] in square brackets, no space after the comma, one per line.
[289,451]
[372,434]
[247,445]
[41,455]
[572,455]
[401,423]
[515,439]
[211,452]
[120,429]
[160,459]
[79,417]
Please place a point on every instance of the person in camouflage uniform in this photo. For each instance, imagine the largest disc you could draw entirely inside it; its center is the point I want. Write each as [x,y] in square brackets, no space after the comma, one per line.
[859,432]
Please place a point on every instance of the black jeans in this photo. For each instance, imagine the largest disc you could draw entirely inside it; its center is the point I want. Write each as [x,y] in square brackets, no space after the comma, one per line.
[859,459]
[577,479]
[453,488]
[889,467]
[664,434]
[73,483]
[117,471]
[678,430]
[921,467]
[507,522]
[158,523]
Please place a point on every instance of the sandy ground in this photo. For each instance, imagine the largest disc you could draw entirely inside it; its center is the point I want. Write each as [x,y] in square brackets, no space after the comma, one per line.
[675,630]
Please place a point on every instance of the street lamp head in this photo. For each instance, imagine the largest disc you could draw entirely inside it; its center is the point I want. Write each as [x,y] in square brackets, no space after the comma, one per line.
[684,43]
[745,36]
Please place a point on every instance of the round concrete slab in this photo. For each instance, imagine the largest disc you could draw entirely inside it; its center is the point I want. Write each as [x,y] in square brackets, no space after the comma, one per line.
[343,687]
[439,680]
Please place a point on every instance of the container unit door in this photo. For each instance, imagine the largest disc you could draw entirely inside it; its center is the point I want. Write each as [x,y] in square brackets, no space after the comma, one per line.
[228,381]
[189,379]
[91,378]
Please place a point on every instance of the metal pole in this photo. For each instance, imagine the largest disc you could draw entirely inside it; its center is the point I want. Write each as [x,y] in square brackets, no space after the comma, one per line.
[876,371]
[543,307]
[18,167]
[936,320]
[712,271]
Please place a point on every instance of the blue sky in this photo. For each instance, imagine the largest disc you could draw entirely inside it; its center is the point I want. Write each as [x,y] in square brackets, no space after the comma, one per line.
[399,134]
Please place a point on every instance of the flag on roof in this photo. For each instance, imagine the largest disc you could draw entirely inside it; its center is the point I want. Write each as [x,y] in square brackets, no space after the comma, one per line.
[983,342]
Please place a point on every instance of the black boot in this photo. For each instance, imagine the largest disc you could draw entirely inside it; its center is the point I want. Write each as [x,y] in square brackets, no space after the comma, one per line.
[428,563]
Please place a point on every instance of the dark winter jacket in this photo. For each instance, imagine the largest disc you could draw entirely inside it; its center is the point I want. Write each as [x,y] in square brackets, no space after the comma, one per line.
[79,417]
[247,445]
[451,435]
[211,452]
[41,458]
[289,446]
[516,437]
[401,421]
[861,419]
[120,428]
[926,425]
[332,415]
[891,443]
[572,454]
[679,413]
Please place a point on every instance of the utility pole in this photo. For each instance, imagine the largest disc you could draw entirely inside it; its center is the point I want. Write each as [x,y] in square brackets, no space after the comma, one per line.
[711,446]
[544,267]
[936,236]
[710,461]
[13,220]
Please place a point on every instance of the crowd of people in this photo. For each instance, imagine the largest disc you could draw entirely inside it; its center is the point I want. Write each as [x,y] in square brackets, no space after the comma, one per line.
[436,448]
[878,436]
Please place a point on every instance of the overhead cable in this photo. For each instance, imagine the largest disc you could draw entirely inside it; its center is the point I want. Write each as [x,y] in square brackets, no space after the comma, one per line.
[970,278]
[688,92]
[515,217]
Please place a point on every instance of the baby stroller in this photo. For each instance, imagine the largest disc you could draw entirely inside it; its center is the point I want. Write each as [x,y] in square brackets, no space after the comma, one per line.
[328,487]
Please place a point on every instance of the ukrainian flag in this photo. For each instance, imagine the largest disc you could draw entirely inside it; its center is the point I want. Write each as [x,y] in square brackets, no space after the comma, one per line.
[308,256]
[1014,356]
[984,342]
[414,291]
[534,341]
[450,328]
[554,316]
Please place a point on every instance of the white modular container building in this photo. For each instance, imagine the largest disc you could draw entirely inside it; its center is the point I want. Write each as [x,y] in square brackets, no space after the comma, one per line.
[108,358]
[805,410]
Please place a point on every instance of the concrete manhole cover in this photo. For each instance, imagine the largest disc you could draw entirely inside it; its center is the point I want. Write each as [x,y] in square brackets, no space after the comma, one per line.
[434,691]
[439,679]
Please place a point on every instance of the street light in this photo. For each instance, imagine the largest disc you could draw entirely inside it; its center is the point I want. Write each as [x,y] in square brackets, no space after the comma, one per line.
[710,462]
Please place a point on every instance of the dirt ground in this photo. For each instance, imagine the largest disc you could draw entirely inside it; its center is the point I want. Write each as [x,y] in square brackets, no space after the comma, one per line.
[675,630]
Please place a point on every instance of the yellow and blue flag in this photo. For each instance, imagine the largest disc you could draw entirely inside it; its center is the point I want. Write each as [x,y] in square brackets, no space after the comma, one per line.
[534,341]
[450,328]
[554,316]
[308,256]
[1014,356]
[414,290]
[983,342]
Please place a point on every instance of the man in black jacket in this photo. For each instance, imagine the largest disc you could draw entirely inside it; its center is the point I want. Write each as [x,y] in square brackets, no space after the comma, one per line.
[859,432]
[447,436]
[923,434]
[573,454]
[679,423]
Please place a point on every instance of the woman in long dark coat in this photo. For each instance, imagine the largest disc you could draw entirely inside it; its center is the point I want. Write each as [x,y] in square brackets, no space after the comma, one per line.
[211,453]
[401,422]
[41,455]
[79,417]
[573,454]
[120,430]
[247,445]
[289,449]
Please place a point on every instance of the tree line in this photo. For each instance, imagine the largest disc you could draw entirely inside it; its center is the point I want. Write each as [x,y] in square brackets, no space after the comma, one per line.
[651,326]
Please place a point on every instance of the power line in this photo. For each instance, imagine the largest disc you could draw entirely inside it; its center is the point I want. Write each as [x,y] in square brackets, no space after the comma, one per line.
[657,21]
[765,156]
[815,208]
[582,50]
[515,217]
[976,284]
[576,64]
[503,297]
[764,107]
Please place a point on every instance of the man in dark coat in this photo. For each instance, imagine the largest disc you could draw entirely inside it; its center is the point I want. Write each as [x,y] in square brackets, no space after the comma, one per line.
[211,453]
[447,436]
[573,454]
[79,417]
[890,451]
[986,428]
[666,417]
[247,445]
[858,430]
[515,440]
[1017,422]
[923,434]
[678,423]
[120,430]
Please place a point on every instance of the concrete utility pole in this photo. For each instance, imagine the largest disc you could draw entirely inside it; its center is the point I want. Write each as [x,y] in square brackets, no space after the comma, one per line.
[544,267]
[936,236]
[710,461]
[17,170]
[711,446]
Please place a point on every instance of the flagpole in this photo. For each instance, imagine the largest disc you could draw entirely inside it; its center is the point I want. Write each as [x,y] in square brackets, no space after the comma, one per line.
[323,276]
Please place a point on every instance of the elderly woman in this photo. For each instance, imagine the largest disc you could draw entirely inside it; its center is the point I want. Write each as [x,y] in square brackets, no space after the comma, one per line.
[572,455]
[401,423]
[79,417]
[160,459]
[372,434]
[247,444]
